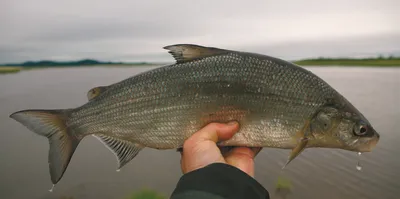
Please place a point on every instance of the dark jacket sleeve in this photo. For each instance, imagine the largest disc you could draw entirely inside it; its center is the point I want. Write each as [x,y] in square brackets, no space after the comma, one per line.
[218,181]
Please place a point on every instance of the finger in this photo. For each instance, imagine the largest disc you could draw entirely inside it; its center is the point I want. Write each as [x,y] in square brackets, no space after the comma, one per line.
[243,152]
[215,132]
[242,158]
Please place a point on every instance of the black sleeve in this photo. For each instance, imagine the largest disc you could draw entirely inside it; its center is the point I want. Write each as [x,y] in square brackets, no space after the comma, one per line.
[218,181]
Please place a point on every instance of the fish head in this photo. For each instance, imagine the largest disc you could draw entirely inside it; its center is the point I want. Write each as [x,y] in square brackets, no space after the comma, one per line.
[356,132]
[344,128]
[357,135]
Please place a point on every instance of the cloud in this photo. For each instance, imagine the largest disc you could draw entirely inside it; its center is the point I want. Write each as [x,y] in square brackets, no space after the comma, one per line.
[130,30]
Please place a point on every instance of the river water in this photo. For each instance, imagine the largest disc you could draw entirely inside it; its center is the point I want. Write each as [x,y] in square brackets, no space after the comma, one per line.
[316,173]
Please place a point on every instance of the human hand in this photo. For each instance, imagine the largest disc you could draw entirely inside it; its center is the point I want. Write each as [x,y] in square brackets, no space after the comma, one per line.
[201,149]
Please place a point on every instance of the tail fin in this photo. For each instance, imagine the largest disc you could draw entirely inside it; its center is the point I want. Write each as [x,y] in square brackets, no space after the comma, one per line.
[51,123]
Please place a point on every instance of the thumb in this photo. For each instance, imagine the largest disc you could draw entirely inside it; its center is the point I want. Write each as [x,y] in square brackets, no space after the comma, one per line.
[215,132]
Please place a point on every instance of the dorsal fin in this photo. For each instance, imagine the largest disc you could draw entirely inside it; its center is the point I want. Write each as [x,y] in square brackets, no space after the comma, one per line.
[189,52]
[96,91]
[124,150]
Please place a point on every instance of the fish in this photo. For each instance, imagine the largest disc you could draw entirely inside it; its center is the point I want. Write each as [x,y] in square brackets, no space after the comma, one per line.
[277,103]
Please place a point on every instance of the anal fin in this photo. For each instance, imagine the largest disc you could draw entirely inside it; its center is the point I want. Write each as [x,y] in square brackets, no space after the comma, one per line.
[124,150]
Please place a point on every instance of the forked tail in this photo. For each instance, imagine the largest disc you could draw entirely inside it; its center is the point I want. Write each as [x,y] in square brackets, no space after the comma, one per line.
[51,123]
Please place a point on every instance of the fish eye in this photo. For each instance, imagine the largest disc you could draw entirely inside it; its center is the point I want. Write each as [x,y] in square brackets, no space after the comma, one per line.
[360,129]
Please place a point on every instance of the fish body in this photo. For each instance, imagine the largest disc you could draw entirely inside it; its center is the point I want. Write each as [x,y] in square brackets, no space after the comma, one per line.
[277,104]
[162,107]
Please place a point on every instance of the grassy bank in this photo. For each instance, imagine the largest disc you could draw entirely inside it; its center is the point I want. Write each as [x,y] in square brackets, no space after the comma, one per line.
[83,66]
[140,194]
[367,62]
[6,70]
[147,194]
[16,69]
[378,62]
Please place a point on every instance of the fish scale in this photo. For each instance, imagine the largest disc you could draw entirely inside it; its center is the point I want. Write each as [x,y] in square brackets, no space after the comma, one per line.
[214,73]
[277,104]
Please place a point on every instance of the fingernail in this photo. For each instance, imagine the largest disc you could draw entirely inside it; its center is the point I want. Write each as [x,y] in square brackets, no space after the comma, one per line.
[232,123]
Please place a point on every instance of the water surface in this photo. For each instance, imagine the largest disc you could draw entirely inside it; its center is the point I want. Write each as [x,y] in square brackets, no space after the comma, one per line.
[316,173]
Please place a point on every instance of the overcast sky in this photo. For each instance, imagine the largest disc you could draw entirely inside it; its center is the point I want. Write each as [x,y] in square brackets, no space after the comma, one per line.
[132,30]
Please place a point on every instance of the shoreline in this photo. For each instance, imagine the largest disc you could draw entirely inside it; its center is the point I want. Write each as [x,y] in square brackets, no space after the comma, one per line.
[302,63]
[350,62]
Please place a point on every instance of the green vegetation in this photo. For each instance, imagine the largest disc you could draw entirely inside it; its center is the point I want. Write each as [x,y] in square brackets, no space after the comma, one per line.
[146,194]
[5,70]
[283,187]
[84,62]
[283,183]
[141,194]
[362,62]
[379,61]
[17,67]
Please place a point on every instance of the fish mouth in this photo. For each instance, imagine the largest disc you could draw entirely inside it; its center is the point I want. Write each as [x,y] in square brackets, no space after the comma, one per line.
[368,144]
[373,142]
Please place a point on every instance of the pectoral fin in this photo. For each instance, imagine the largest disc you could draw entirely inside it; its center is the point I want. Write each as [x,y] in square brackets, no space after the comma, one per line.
[297,150]
[304,135]
[124,150]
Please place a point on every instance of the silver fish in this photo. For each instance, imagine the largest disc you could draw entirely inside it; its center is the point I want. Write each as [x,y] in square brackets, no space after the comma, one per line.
[277,103]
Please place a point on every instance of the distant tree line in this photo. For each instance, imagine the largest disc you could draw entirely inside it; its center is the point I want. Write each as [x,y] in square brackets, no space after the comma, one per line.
[380,57]
[84,62]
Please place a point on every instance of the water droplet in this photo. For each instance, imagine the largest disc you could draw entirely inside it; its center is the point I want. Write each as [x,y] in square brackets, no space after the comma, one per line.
[228,85]
[52,188]
[358,166]
[118,170]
